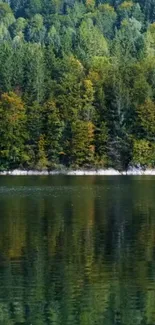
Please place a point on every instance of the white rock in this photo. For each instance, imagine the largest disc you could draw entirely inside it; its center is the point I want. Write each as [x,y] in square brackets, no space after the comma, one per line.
[80,172]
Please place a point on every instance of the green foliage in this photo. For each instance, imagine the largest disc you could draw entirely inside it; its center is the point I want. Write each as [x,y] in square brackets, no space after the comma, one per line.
[53,128]
[4,10]
[143,153]
[106,19]
[101,144]
[81,144]
[42,162]
[34,73]
[78,67]
[91,41]
[146,117]
[35,29]
[12,130]
[34,126]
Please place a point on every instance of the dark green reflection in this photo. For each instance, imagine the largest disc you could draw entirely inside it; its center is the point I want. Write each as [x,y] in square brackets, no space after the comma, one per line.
[77,250]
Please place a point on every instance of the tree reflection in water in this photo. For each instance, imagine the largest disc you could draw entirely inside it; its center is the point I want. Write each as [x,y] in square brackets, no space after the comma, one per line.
[77,250]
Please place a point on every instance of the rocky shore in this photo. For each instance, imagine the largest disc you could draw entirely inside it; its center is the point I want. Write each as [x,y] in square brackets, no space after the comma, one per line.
[80,172]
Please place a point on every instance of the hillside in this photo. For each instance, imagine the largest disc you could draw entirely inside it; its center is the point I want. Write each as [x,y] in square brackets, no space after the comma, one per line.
[77,84]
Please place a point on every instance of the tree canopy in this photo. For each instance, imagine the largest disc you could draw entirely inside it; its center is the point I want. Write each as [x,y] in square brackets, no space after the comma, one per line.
[84,73]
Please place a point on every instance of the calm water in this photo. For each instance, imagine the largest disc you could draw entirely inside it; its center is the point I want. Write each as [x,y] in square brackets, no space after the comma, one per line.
[77,250]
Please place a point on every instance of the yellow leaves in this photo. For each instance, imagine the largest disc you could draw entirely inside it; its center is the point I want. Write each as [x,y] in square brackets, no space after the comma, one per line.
[82,146]
[13,107]
[94,76]
[90,4]
[11,99]
[50,105]
[143,152]
[90,128]
[124,23]
[92,148]
[100,63]
[88,84]
[106,7]
[75,63]
[41,142]
[142,146]
[146,115]
[126,5]
[151,28]
[4,153]
[62,153]
[89,91]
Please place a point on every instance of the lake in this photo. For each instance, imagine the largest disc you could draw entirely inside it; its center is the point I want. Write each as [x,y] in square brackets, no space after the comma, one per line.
[77,250]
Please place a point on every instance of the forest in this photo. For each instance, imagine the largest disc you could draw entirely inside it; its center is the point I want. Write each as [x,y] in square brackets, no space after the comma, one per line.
[77,84]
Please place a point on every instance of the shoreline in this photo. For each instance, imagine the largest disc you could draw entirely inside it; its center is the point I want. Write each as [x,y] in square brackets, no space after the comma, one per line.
[82,172]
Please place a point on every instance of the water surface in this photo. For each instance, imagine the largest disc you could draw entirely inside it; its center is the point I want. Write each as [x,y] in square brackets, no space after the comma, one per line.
[77,250]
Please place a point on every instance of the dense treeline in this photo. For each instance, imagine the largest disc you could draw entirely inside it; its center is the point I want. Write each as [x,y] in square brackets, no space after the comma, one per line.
[77,84]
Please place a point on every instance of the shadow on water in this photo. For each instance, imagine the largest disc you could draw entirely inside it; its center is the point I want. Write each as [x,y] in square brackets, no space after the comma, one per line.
[77,250]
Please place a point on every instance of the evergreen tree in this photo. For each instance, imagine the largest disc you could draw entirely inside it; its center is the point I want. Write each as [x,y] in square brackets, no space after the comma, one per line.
[81,78]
